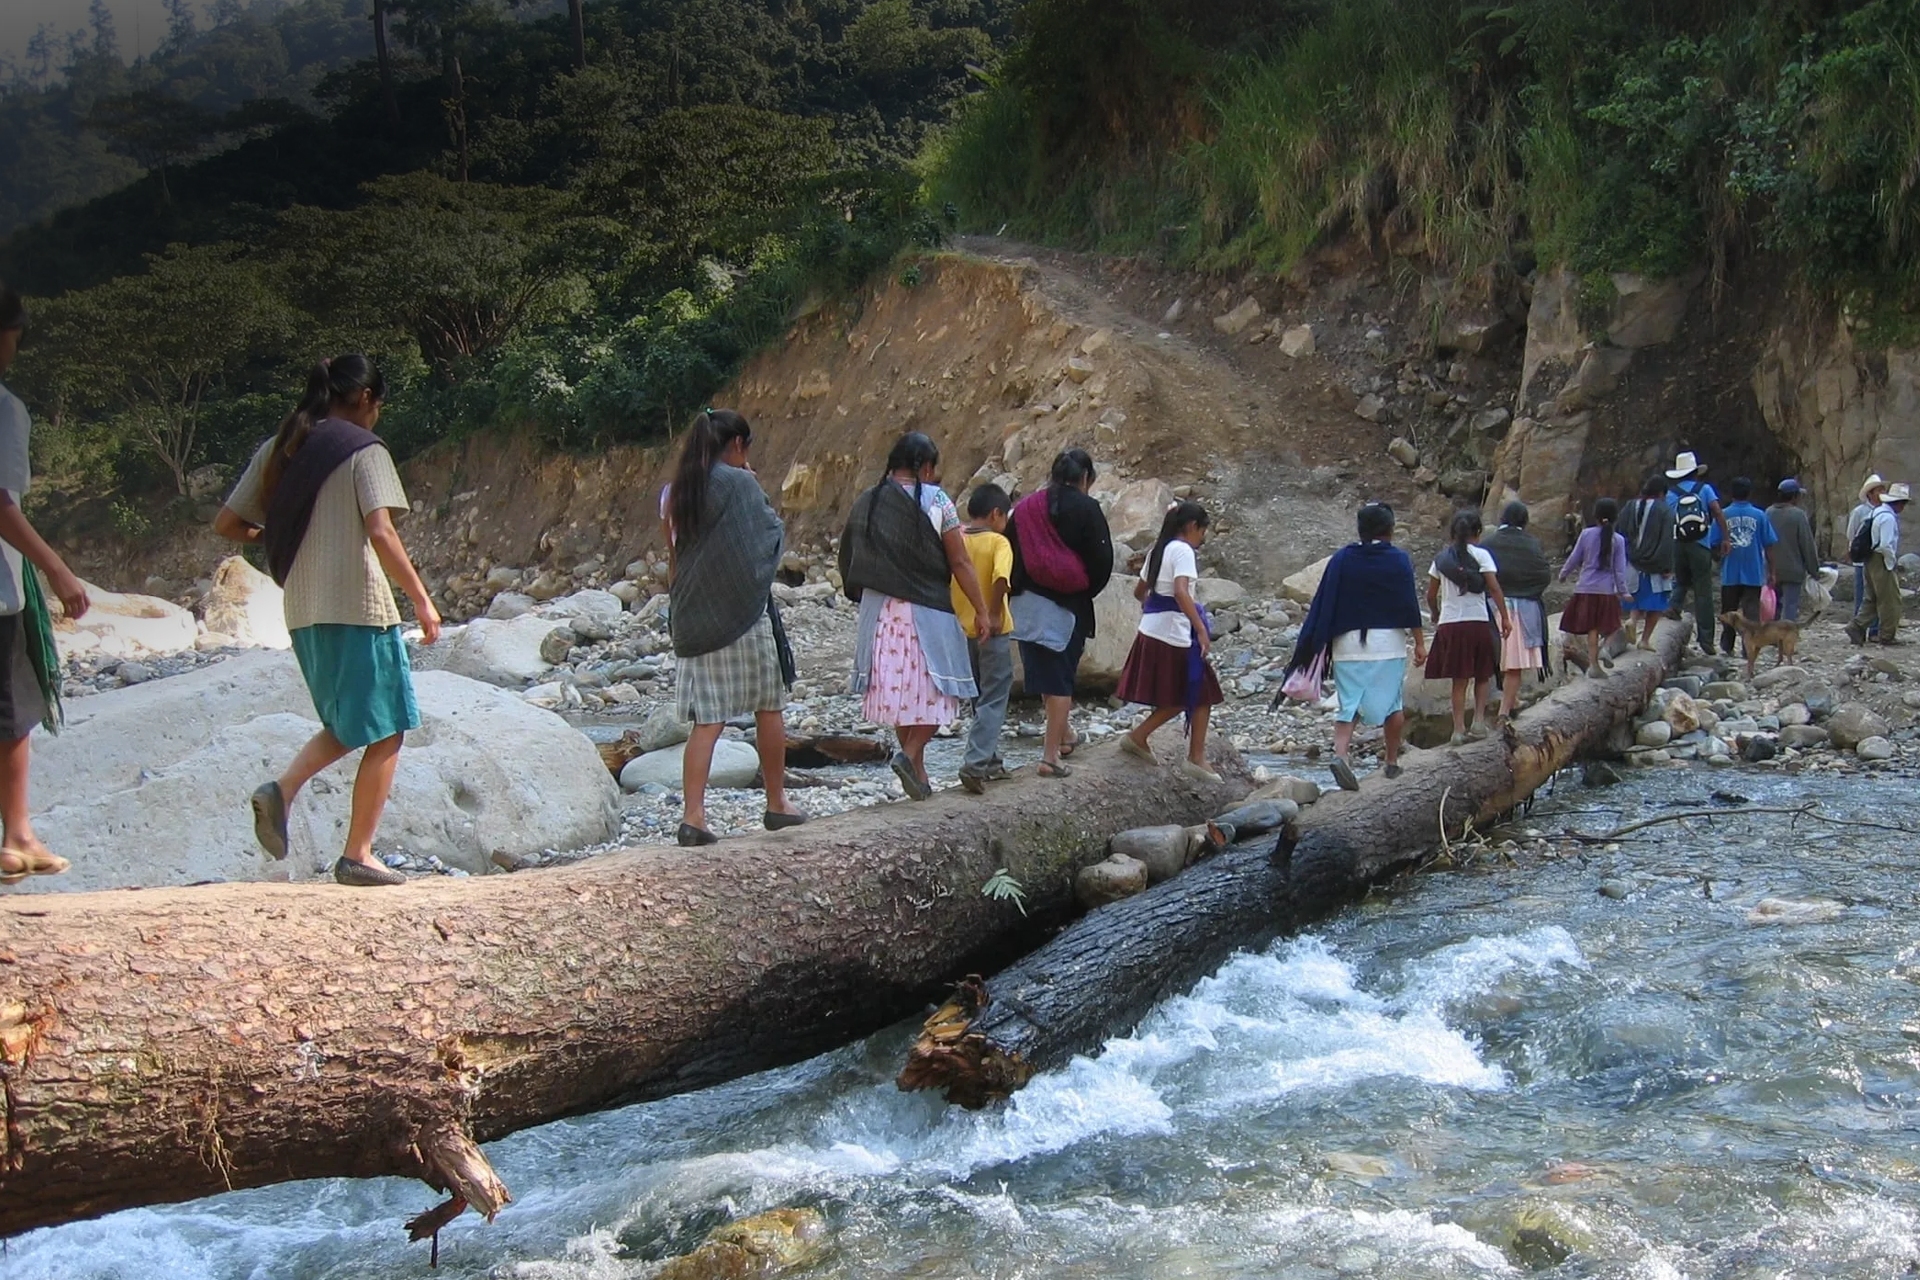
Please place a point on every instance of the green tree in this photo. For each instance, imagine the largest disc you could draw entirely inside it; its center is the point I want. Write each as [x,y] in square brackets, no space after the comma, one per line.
[146,351]
[154,130]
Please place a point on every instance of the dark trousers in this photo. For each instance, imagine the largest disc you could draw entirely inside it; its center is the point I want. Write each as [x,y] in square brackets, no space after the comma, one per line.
[1693,571]
[1744,600]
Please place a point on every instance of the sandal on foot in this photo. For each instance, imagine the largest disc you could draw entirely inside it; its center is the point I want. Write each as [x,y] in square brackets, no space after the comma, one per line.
[14,866]
[1134,749]
[1344,775]
[973,782]
[910,780]
[42,863]
[270,819]
[773,821]
[365,875]
[1198,772]
[1393,771]
[1052,769]
[690,836]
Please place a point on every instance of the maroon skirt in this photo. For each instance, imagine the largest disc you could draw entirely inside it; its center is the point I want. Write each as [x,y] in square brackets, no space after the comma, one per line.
[1590,613]
[1156,676]
[1463,651]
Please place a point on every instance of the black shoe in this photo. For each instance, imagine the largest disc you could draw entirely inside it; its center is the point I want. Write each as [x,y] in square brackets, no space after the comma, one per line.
[690,836]
[1344,775]
[270,819]
[973,782]
[1394,770]
[365,875]
[781,821]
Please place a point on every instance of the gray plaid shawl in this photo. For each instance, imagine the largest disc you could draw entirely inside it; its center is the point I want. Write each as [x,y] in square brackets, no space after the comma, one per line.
[723,570]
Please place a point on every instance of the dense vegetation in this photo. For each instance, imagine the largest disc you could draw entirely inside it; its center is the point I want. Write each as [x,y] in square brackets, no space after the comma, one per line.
[1649,135]
[571,218]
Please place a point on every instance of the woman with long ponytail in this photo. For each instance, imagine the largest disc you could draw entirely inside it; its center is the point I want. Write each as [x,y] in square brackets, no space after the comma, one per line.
[320,497]
[726,543]
[1168,669]
[1599,558]
[1463,593]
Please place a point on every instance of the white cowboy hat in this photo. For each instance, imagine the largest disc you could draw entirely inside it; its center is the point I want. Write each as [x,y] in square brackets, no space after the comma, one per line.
[1873,482]
[1684,467]
[1895,493]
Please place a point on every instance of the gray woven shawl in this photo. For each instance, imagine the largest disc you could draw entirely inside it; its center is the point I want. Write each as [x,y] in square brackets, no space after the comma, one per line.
[724,569]
[889,546]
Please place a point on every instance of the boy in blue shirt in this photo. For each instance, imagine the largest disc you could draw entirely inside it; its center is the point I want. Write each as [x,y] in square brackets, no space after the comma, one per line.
[1748,564]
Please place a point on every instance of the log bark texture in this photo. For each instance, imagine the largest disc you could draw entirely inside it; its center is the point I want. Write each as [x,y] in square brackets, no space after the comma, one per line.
[158,1045]
[1100,976]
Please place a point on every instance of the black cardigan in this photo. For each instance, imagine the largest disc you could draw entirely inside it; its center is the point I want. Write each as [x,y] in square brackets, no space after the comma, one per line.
[1082,525]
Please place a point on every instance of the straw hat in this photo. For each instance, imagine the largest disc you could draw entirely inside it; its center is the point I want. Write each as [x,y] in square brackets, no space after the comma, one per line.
[1873,482]
[1895,493]
[1685,467]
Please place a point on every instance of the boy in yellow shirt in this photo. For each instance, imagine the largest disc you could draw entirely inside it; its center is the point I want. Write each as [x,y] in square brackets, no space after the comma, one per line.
[992,556]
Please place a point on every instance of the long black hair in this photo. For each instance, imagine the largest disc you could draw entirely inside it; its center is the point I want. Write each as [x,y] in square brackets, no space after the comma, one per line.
[1606,513]
[1178,517]
[913,452]
[330,382]
[1071,469]
[1373,522]
[707,439]
[1463,572]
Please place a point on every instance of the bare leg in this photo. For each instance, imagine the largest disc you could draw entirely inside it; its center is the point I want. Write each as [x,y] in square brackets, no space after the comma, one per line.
[913,740]
[322,749]
[1343,737]
[371,787]
[1593,652]
[696,763]
[15,759]
[1510,694]
[1058,709]
[1155,718]
[1197,740]
[1460,704]
[1482,692]
[770,738]
[1396,725]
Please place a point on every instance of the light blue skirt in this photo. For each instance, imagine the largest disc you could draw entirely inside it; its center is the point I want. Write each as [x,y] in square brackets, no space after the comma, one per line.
[360,679]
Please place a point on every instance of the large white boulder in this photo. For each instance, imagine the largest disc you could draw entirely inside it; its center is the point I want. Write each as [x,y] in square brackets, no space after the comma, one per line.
[591,603]
[1137,510]
[735,764]
[1300,587]
[148,785]
[502,652]
[246,604]
[124,626]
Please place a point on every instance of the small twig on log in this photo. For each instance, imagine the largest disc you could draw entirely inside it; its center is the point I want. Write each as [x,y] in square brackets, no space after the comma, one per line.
[1808,810]
[429,1223]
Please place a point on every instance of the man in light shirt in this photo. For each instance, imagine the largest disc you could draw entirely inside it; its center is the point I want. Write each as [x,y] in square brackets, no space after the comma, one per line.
[1883,578]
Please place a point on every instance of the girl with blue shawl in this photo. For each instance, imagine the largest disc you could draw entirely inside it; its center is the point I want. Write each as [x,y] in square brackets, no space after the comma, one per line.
[1362,617]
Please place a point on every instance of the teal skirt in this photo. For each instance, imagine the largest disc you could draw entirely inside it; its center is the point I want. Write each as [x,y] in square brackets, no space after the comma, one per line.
[361,682]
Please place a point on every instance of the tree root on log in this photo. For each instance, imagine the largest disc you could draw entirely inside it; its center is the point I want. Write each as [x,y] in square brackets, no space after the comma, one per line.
[1100,975]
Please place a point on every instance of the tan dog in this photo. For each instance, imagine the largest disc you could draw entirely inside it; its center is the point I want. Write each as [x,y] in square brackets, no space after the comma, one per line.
[1756,637]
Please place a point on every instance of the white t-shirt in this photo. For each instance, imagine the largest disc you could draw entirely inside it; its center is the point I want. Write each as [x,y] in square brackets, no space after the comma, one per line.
[1464,606]
[1171,628]
[15,479]
[1382,644]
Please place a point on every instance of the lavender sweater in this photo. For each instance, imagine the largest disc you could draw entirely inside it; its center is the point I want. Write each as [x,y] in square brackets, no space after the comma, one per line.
[1600,575]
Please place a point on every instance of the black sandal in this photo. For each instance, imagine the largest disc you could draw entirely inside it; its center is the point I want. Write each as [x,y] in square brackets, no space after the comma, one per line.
[781,821]
[690,836]
[270,818]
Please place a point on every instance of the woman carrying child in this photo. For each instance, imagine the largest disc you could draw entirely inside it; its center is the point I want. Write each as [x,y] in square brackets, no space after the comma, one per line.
[1168,668]
[1466,650]
[1600,559]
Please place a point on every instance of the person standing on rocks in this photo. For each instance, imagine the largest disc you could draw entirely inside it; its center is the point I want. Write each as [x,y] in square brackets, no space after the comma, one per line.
[1700,536]
[1647,524]
[1062,560]
[727,637]
[1858,519]
[1460,583]
[901,554]
[1167,668]
[1524,576]
[1599,560]
[30,688]
[320,497]
[992,653]
[1364,612]
[1883,580]
[1795,557]
[1748,564]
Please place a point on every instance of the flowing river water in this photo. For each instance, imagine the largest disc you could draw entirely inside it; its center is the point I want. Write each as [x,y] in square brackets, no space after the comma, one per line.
[1496,1072]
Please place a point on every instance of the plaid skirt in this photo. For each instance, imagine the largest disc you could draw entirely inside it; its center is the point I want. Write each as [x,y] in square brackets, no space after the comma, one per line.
[740,680]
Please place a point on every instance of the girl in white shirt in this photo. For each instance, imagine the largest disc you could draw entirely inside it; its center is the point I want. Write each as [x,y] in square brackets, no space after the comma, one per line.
[1168,668]
[1463,598]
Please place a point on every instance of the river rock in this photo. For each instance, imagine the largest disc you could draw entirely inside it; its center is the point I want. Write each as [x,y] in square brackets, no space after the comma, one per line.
[1137,511]
[1803,736]
[557,644]
[1853,723]
[1218,592]
[1615,888]
[1402,451]
[1757,750]
[1724,690]
[1778,677]
[149,784]
[766,1244]
[1795,911]
[1236,320]
[1820,700]
[1795,713]
[1654,733]
[503,653]
[509,605]
[1682,714]
[591,603]
[1300,587]
[664,727]
[735,764]
[1875,748]
[1162,850]
[246,604]
[123,626]
[1300,791]
[1297,341]
[1109,881]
